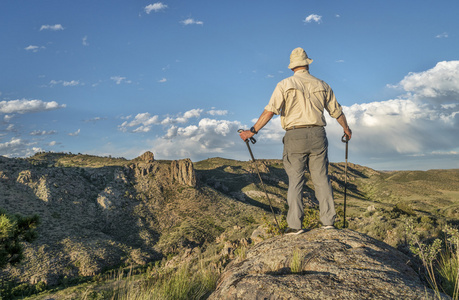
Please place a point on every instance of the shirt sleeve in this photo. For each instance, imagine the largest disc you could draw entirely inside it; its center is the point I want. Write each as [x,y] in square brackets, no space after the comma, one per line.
[332,106]
[277,101]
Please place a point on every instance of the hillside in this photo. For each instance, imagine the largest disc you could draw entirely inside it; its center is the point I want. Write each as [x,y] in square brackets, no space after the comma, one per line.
[99,213]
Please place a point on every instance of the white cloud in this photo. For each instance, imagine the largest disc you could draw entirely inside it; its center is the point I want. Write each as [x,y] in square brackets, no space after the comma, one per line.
[64,83]
[17,147]
[27,106]
[162,80]
[214,112]
[206,139]
[52,143]
[443,35]
[158,6]
[144,121]
[34,48]
[409,132]
[439,84]
[313,18]
[84,41]
[55,27]
[71,83]
[76,133]
[8,118]
[194,113]
[42,132]
[119,79]
[191,21]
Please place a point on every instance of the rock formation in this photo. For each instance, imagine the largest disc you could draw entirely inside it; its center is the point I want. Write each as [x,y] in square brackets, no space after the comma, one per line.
[147,157]
[182,171]
[322,264]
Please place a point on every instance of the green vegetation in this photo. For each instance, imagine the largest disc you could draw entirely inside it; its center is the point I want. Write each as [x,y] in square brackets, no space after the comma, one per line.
[297,261]
[15,229]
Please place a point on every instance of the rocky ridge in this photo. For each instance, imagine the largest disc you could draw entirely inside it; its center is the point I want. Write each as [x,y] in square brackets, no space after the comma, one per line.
[322,264]
[92,218]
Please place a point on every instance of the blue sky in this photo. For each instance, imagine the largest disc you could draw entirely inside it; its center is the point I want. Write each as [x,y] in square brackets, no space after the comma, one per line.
[178,78]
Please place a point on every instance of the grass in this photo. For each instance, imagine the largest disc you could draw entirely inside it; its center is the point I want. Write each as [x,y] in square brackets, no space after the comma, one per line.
[183,283]
[297,261]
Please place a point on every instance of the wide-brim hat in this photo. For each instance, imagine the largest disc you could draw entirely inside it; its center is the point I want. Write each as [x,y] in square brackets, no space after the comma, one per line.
[299,58]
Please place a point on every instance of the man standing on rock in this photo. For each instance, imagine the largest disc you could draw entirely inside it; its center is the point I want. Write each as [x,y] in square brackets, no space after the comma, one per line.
[300,100]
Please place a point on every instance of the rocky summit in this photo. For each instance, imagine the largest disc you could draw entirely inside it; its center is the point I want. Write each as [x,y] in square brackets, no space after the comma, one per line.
[322,264]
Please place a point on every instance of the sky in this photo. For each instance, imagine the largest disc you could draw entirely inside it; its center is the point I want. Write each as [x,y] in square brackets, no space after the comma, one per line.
[179,78]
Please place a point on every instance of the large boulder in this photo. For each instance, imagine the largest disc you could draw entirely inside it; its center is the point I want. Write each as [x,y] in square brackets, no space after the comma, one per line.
[322,264]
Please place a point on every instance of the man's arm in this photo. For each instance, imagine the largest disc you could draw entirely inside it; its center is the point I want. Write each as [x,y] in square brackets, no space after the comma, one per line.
[264,118]
[343,122]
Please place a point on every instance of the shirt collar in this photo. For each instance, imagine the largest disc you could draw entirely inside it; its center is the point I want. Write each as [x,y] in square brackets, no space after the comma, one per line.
[302,71]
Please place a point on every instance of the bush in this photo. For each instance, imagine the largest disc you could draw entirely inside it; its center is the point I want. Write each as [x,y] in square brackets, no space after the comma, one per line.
[15,229]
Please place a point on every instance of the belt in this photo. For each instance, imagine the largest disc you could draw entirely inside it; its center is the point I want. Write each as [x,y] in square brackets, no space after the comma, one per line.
[301,126]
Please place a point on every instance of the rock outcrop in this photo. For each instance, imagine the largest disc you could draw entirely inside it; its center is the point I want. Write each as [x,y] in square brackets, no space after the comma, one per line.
[147,157]
[322,264]
[183,172]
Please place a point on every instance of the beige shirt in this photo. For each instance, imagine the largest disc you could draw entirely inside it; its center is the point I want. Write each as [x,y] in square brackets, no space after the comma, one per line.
[301,100]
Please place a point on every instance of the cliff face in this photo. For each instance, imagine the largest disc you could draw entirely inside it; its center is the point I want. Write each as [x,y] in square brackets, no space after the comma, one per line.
[322,264]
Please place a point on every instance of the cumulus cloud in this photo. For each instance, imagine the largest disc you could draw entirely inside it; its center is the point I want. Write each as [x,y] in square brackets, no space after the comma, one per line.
[313,18]
[191,21]
[28,106]
[84,41]
[158,6]
[17,147]
[401,126]
[55,27]
[208,138]
[419,126]
[144,121]
[162,80]
[439,84]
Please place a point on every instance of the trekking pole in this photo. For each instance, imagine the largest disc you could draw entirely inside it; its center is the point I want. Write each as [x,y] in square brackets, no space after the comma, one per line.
[259,176]
[345,139]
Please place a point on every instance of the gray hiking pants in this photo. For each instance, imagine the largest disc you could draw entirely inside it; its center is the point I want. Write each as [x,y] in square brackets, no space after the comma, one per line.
[303,147]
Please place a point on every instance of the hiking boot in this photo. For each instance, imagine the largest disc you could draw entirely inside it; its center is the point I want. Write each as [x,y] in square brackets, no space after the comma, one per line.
[328,227]
[291,231]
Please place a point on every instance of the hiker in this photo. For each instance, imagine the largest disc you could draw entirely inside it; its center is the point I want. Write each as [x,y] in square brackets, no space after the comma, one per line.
[300,101]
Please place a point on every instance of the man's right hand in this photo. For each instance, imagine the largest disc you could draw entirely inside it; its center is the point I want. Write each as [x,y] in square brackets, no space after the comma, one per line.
[246,134]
